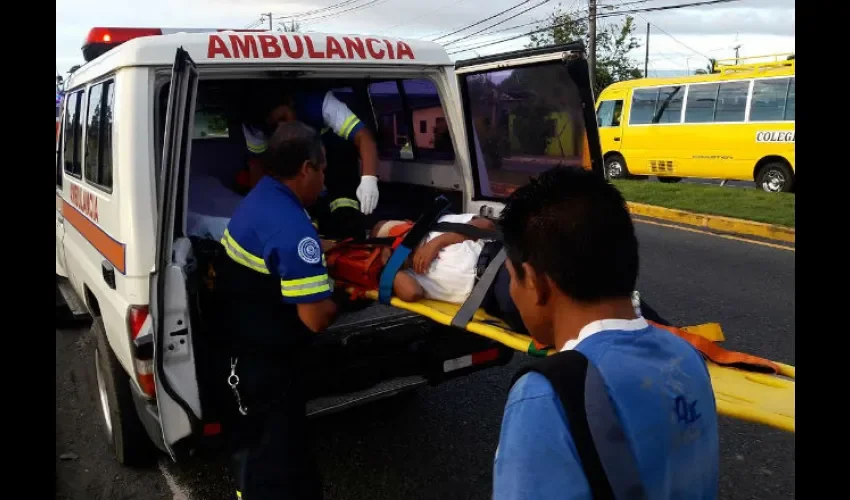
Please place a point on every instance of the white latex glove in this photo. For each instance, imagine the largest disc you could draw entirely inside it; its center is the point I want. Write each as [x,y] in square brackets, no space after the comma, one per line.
[367,193]
[255,139]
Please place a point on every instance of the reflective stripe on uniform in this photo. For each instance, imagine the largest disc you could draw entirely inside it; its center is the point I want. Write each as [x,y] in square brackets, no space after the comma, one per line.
[238,494]
[344,203]
[348,125]
[256,147]
[305,286]
[242,256]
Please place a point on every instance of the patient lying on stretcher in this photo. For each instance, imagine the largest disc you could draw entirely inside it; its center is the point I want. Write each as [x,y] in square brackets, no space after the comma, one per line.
[446,267]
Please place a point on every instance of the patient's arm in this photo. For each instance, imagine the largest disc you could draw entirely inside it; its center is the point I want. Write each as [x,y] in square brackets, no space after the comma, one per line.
[425,254]
[407,288]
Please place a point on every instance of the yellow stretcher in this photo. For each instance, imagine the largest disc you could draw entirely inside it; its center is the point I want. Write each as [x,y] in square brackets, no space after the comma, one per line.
[747,395]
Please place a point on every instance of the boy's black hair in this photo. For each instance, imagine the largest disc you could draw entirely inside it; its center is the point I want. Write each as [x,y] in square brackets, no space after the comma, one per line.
[290,146]
[573,225]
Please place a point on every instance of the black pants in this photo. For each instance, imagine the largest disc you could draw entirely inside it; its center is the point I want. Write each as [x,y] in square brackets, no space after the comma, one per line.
[273,457]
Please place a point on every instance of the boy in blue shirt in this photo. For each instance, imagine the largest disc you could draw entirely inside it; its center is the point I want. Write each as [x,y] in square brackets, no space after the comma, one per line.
[572,255]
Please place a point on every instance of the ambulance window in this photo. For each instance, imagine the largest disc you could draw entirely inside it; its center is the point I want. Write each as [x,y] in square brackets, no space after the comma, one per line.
[392,122]
[522,122]
[98,154]
[432,138]
[72,151]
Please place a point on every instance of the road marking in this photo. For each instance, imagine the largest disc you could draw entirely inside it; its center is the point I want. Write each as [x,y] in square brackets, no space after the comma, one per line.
[177,491]
[726,236]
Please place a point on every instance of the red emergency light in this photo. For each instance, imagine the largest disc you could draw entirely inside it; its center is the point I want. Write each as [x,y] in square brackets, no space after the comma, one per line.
[100,40]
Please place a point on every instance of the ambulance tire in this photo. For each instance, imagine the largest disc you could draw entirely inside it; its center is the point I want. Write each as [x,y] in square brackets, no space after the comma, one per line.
[124,431]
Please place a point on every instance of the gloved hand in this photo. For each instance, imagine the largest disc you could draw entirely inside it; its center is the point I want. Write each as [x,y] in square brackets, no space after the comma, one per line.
[255,139]
[367,193]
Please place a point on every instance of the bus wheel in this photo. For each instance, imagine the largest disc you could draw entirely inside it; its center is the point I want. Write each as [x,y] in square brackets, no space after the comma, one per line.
[775,177]
[615,167]
[669,180]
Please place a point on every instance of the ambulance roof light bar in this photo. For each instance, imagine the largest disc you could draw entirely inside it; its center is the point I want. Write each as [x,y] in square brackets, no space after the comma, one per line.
[101,39]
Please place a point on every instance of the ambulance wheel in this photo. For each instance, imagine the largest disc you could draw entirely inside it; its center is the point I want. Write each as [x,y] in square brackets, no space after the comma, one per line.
[615,167]
[775,177]
[124,431]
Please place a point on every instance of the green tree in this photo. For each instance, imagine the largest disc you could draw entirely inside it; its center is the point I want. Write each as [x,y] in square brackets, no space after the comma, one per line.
[708,69]
[614,42]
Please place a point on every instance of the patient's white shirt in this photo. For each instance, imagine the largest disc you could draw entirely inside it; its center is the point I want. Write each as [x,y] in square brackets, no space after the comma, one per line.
[451,276]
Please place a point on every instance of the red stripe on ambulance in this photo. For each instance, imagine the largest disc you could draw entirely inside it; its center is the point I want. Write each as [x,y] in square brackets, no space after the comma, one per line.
[249,46]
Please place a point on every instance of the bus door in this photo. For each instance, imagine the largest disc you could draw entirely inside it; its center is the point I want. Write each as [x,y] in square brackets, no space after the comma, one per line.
[609,115]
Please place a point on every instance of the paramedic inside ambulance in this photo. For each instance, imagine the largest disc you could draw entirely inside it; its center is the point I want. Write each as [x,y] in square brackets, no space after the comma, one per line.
[350,194]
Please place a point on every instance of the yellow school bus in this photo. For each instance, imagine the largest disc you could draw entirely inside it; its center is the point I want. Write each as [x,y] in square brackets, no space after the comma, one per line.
[736,123]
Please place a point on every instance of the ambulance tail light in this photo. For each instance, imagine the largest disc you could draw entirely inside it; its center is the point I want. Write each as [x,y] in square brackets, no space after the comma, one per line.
[101,39]
[140,326]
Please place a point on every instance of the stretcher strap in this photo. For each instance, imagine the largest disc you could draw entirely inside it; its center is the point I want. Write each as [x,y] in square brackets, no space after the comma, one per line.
[385,287]
[421,228]
[473,302]
[721,356]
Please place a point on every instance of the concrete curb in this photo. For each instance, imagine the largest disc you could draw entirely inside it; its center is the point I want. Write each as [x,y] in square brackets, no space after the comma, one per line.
[715,222]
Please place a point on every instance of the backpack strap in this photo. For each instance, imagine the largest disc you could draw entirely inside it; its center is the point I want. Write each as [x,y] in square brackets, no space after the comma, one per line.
[608,462]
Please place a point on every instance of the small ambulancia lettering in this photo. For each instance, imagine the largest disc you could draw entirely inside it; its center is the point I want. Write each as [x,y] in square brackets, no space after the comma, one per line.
[265,46]
[84,201]
[775,136]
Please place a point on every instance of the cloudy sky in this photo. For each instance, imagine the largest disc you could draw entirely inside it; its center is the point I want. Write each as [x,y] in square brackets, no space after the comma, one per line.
[680,39]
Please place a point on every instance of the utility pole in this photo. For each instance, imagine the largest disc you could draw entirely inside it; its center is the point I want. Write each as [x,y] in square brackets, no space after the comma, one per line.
[269,14]
[736,52]
[591,42]
[646,58]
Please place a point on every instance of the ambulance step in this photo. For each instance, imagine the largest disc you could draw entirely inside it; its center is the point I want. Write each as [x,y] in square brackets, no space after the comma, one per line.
[76,307]
[385,389]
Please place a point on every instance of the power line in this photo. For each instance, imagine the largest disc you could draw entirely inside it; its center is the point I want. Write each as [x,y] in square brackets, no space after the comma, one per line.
[369,3]
[319,10]
[483,20]
[498,23]
[418,16]
[602,15]
[668,34]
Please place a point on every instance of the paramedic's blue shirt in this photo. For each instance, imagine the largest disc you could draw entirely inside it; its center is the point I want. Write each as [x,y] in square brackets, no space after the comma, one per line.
[271,233]
[645,370]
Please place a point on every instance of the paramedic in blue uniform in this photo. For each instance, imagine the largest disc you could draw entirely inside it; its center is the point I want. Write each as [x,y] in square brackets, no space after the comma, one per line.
[351,193]
[274,285]
[572,256]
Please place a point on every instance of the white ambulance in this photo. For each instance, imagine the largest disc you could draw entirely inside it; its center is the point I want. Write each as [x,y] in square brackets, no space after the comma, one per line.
[152,112]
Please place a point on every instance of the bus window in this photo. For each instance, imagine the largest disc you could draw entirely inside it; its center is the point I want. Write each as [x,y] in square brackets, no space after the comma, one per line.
[732,102]
[790,105]
[609,113]
[643,106]
[668,108]
[769,100]
[701,101]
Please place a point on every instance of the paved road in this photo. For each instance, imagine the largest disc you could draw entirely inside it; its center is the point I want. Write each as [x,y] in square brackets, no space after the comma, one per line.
[439,443]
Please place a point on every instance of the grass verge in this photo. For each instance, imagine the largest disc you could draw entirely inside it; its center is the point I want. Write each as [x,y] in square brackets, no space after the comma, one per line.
[749,204]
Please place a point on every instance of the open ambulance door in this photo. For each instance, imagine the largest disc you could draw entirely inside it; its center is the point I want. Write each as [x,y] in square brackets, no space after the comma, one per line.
[175,376]
[525,112]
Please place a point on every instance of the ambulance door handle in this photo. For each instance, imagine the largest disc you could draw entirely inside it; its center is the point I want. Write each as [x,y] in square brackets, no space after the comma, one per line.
[108,274]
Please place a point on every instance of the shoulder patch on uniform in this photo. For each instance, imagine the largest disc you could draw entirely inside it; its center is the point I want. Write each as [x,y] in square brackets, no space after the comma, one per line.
[309,250]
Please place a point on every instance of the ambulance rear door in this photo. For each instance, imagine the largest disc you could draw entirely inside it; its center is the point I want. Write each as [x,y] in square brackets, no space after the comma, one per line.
[525,112]
[175,375]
